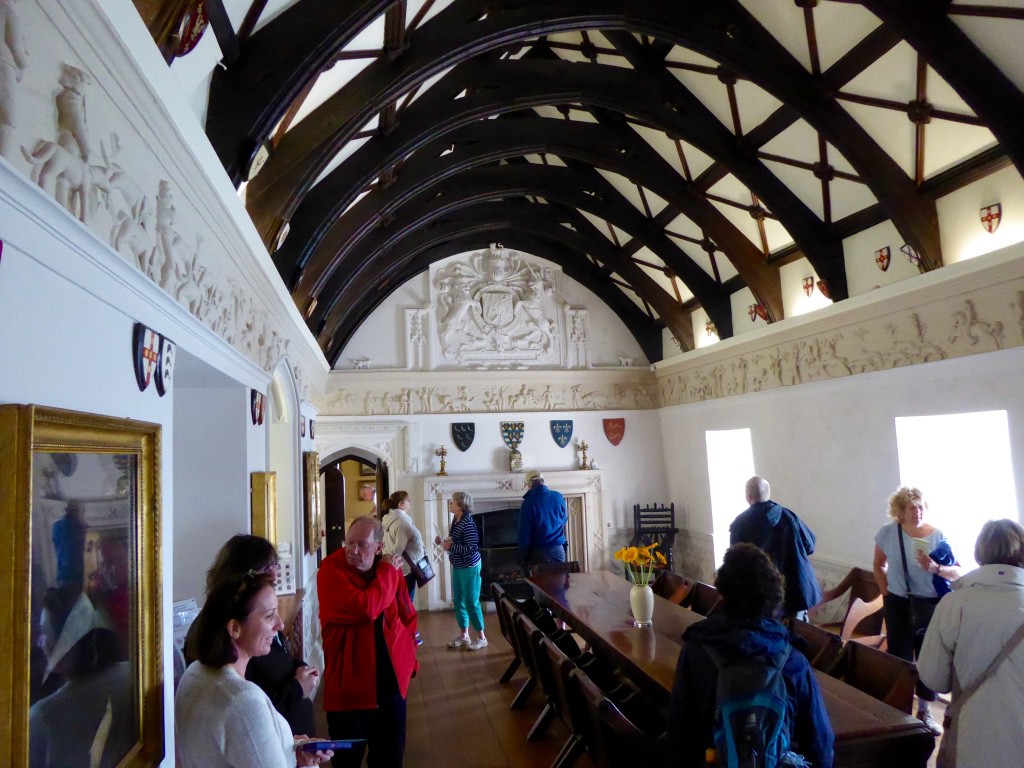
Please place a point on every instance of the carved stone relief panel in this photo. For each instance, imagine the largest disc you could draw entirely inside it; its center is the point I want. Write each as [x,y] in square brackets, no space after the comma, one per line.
[496,309]
[97,164]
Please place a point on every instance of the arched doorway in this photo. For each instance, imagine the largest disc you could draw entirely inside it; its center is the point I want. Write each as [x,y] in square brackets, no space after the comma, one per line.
[353,484]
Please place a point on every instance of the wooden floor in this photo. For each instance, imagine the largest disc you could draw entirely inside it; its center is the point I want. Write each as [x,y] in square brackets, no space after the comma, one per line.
[458,713]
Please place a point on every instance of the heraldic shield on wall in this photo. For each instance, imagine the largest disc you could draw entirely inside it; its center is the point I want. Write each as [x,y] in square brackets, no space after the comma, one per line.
[463,433]
[561,431]
[512,433]
[497,308]
[614,429]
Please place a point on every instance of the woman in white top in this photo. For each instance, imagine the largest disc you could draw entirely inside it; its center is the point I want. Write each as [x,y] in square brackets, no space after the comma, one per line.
[221,720]
[970,627]
[401,535]
[905,625]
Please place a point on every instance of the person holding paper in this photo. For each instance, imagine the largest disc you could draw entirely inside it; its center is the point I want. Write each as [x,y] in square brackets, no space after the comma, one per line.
[903,569]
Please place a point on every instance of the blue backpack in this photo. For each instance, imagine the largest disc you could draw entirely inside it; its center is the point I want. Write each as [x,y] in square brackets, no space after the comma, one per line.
[752,728]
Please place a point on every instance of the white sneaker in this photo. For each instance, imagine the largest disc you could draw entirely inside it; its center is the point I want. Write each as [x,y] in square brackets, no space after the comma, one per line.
[458,642]
[476,645]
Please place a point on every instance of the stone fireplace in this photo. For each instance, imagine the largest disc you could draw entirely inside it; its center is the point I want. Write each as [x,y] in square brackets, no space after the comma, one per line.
[496,500]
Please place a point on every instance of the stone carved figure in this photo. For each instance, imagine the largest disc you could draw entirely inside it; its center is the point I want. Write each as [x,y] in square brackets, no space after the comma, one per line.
[13,60]
[496,308]
[966,325]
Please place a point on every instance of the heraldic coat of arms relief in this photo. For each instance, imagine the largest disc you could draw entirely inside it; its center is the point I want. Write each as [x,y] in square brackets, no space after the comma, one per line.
[496,308]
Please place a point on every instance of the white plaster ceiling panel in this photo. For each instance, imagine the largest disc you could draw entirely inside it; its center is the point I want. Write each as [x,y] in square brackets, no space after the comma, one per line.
[274,9]
[892,130]
[598,223]
[838,160]
[726,270]
[798,142]
[802,183]
[755,104]
[414,7]
[839,26]
[999,39]
[942,96]
[660,143]
[656,203]
[329,83]
[742,220]
[624,187]
[786,22]
[849,197]
[684,225]
[631,295]
[568,54]
[709,90]
[730,188]
[556,160]
[776,235]
[700,257]
[948,143]
[349,148]
[658,277]
[893,76]
[548,111]
[681,55]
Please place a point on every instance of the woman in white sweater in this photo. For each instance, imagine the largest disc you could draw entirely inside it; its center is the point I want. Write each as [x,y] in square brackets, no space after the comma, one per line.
[401,535]
[221,720]
[970,627]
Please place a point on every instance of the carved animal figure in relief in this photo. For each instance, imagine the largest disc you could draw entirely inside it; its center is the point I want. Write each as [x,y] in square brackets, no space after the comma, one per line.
[625,362]
[967,325]
[360,363]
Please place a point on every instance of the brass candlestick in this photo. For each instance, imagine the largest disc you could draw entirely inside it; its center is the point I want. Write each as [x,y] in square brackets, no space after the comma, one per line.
[584,464]
[442,452]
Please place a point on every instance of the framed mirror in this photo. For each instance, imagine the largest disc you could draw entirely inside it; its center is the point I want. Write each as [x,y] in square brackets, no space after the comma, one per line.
[80,589]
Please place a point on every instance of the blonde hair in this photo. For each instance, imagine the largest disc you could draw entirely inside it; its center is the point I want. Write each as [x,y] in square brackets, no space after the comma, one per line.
[904,495]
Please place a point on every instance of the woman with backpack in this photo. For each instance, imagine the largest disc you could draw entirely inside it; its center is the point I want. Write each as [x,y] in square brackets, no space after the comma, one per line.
[740,652]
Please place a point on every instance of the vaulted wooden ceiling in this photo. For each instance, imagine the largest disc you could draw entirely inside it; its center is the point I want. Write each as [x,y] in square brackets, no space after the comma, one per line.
[665,153]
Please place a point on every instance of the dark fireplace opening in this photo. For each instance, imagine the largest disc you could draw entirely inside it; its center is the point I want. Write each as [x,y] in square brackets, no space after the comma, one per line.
[499,558]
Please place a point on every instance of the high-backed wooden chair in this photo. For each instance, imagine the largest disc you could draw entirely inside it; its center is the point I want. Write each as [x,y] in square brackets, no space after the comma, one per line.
[655,523]
[886,677]
[568,706]
[824,648]
[672,586]
[612,739]
[858,584]
[510,610]
[703,599]
[529,644]
[507,631]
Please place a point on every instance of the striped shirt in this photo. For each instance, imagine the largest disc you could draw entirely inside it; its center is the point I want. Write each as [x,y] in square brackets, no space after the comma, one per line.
[465,551]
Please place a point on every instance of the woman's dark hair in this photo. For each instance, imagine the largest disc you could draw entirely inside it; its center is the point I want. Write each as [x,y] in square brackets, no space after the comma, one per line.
[240,554]
[749,584]
[396,498]
[229,598]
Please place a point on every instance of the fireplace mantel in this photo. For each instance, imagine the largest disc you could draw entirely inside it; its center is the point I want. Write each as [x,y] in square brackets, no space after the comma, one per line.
[583,495]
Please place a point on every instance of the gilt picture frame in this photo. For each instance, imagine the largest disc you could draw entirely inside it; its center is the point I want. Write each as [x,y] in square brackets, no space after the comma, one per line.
[311,499]
[80,589]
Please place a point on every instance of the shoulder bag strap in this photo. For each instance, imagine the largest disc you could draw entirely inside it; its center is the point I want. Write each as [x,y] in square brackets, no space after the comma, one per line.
[903,554]
[1006,650]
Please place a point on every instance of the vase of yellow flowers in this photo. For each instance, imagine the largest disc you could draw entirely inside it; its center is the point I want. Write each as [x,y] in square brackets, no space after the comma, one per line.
[640,563]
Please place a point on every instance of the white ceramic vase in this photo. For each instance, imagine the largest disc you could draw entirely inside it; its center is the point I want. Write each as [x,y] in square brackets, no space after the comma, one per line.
[641,601]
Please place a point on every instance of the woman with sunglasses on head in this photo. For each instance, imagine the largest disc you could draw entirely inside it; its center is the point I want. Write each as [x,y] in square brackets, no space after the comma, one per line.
[289,682]
[221,720]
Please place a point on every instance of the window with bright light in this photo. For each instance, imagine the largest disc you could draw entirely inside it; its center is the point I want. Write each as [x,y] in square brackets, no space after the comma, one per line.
[730,465]
[961,462]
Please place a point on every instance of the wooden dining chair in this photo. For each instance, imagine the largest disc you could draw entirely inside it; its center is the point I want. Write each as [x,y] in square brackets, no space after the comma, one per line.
[529,642]
[704,599]
[505,614]
[824,648]
[612,739]
[674,587]
[887,678]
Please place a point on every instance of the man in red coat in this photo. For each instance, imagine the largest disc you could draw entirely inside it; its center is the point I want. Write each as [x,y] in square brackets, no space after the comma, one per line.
[369,626]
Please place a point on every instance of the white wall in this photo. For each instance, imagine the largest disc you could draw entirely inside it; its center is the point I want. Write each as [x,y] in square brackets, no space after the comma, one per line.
[829,448]
[211,487]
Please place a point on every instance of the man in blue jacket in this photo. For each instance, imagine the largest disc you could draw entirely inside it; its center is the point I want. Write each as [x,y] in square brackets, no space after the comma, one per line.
[745,626]
[785,539]
[542,519]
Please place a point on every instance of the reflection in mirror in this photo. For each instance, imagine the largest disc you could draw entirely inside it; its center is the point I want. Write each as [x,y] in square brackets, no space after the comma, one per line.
[83,710]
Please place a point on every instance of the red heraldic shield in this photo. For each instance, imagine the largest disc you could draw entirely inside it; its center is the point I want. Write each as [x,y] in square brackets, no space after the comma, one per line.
[614,429]
[883,257]
[991,215]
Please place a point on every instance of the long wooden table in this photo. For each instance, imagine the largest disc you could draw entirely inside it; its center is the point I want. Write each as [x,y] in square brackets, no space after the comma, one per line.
[596,605]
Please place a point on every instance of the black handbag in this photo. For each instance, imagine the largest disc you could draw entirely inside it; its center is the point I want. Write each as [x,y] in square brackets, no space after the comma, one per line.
[921,608]
[421,569]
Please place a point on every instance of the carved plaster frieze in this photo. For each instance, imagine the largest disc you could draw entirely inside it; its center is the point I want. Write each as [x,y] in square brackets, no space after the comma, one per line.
[351,393]
[110,181]
[944,325]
